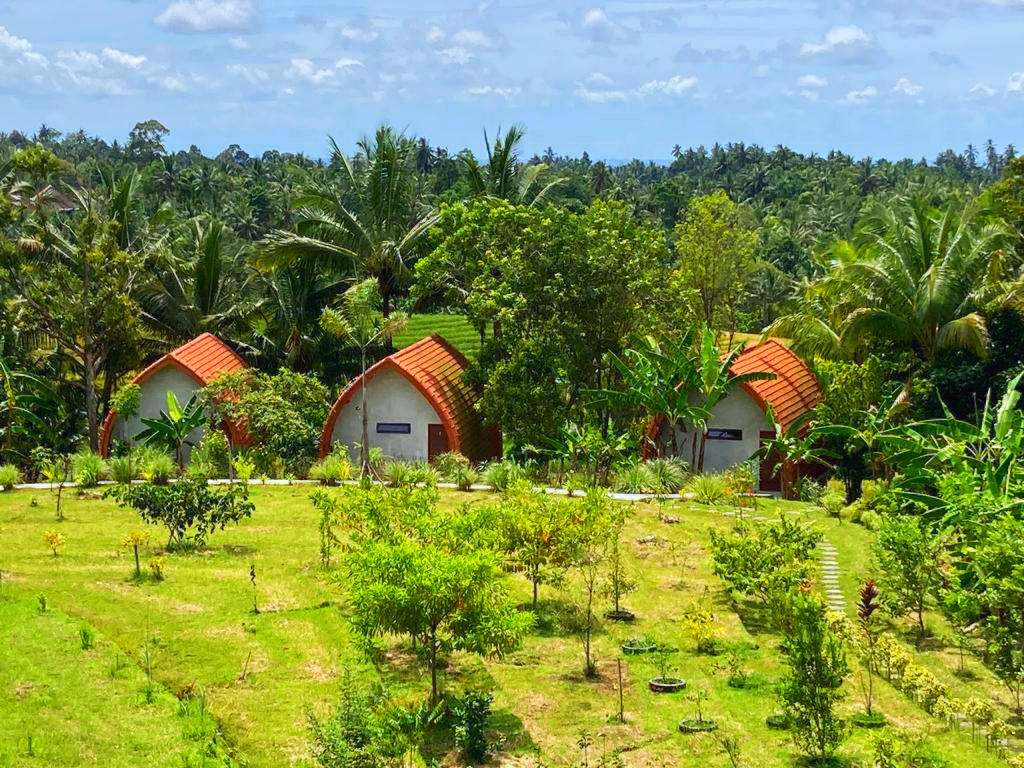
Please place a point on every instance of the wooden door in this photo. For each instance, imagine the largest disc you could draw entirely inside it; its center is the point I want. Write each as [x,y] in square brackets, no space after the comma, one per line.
[437,441]
[769,480]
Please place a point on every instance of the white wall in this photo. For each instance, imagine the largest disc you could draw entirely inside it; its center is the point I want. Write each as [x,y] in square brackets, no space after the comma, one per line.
[735,411]
[153,400]
[390,397]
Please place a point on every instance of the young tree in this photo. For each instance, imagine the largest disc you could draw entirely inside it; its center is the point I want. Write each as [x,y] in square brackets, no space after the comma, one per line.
[451,600]
[359,322]
[171,429]
[594,517]
[539,532]
[716,245]
[816,658]
[910,559]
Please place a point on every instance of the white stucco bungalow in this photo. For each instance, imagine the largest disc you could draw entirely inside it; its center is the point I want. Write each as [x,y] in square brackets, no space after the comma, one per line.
[183,371]
[738,424]
[419,406]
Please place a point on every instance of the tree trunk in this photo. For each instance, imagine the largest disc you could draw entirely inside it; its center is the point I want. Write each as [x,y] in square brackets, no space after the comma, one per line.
[703,444]
[364,449]
[89,366]
[433,666]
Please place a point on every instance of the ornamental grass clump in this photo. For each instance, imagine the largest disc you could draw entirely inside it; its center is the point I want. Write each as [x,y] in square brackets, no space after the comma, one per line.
[9,477]
[88,469]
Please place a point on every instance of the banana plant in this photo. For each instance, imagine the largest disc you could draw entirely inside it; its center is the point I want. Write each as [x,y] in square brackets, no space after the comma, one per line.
[171,429]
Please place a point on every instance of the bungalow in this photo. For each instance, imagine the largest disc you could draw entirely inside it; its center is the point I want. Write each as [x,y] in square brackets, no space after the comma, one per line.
[183,371]
[738,425]
[418,405]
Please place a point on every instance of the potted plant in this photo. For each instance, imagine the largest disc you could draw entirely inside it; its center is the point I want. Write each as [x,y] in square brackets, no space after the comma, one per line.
[637,645]
[666,682]
[698,724]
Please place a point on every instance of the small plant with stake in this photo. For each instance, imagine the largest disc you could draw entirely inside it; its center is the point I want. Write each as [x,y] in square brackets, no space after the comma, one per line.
[133,541]
[252,580]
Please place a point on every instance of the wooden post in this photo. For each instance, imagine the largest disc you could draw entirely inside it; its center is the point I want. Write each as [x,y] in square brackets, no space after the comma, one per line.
[622,716]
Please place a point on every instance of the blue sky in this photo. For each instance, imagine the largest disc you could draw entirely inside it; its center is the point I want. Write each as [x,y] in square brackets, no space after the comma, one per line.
[620,79]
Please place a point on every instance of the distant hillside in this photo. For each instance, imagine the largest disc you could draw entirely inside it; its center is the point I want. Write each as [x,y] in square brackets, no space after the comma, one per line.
[456,329]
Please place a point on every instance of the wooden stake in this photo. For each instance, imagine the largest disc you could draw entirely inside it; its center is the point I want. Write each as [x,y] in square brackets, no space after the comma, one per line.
[622,716]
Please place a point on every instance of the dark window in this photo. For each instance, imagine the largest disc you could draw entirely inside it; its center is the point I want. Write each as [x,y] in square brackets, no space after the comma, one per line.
[725,434]
[384,428]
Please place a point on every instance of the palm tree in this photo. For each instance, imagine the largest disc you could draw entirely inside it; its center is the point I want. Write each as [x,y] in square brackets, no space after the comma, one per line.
[914,276]
[504,177]
[358,322]
[377,236]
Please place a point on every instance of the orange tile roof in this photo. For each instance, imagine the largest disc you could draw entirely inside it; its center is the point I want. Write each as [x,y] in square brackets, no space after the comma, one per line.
[436,369]
[205,358]
[792,392]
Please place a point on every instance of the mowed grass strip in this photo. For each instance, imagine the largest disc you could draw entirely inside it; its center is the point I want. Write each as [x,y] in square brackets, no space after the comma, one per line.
[260,672]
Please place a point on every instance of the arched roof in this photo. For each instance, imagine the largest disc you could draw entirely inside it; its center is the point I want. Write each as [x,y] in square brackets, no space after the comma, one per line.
[204,359]
[794,390]
[435,368]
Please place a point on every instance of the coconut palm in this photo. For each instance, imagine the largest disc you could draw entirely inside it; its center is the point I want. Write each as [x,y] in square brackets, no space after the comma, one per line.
[372,226]
[504,177]
[913,276]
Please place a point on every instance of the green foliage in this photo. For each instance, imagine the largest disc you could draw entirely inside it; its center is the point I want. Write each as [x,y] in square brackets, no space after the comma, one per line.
[471,714]
[666,475]
[171,430]
[767,559]
[159,467]
[500,475]
[212,453]
[464,476]
[190,510]
[125,402]
[357,733]
[707,489]
[9,477]
[716,245]
[88,469]
[282,414]
[813,685]
[331,469]
[910,559]
[123,469]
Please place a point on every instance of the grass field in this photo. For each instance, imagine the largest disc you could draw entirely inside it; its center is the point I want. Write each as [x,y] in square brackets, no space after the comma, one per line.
[456,329]
[259,673]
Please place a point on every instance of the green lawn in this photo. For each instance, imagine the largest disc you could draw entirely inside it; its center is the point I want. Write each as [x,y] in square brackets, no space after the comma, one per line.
[456,329]
[260,673]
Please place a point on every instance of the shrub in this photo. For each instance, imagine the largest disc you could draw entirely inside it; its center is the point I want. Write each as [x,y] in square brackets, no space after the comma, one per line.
[87,637]
[448,463]
[631,478]
[54,541]
[356,733]
[212,452]
[123,469]
[741,478]
[159,467]
[833,504]
[808,490]
[471,715]
[422,473]
[331,470]
[397,473]
[500,475]
[8,477]
[190,510]
[156,569]
[88,469]
[666,475]
[464,477]
[244,466]
[708,489]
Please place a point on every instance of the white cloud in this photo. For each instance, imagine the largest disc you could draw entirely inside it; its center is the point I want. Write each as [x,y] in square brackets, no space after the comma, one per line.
[305,69]
[982,89]
[472,38]
[598,27]
[596,18]
[357,35]
[435,34]
[456,55]
[124,59]
[21,48]
[858,98]
[809,95]
[837,37]
[812,81]
[1016,82]
[347,63]
[78,61]
[676,85]
[254,75]
[600,96]
[172,83]
[239,43]
[209,16]
[907,88]
[489,90]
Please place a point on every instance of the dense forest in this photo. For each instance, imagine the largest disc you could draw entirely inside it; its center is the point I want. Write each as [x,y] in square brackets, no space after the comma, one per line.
[113,253]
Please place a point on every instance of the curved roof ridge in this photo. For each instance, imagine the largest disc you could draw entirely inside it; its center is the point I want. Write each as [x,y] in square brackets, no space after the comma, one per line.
[794,390]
